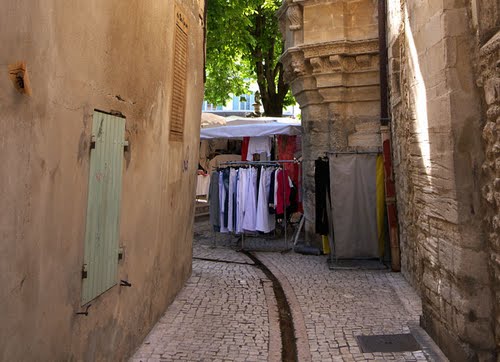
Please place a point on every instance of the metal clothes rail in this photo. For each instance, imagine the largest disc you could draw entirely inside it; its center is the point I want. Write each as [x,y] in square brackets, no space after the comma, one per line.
[258,163]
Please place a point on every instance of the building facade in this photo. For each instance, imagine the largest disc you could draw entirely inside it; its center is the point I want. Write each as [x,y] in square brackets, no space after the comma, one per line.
[244,105]
[100,105]
[442,65]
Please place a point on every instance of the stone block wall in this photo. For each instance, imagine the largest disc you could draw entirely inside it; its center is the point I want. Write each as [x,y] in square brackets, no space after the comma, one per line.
[490,81]
[332,65]
[438,155]
[444,136]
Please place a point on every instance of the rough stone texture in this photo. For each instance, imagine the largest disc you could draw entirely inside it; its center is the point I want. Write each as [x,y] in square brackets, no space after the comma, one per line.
[81,56]
[332,65]
[490,64]
[438,154]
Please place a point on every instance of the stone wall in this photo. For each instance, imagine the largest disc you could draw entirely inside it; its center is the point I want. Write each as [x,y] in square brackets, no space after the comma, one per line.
[438,154]
[490,62]
[332,65]
[85,55]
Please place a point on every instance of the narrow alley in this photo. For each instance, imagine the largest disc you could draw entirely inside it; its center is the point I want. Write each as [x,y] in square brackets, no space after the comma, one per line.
[228,312]
[235,180]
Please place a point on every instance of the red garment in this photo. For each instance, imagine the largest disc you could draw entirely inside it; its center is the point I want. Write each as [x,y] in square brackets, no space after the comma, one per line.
[282,196]
[287,146]
[244,148]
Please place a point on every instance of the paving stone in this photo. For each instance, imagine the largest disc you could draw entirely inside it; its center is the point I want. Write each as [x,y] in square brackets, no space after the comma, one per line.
[222,312]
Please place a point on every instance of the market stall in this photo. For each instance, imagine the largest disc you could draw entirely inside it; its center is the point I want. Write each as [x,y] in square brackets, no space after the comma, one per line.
[250,193]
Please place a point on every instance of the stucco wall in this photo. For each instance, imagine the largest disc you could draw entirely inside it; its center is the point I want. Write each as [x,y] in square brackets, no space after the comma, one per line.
[81,56]
[438,156]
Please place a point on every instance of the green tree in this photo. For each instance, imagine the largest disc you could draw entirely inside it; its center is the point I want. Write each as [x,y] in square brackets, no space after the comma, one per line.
[243,45]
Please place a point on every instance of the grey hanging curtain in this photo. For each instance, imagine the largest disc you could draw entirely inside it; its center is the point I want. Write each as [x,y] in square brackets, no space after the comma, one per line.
[353,198]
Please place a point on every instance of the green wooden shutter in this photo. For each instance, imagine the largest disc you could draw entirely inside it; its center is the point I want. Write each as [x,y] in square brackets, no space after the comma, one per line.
[100,267]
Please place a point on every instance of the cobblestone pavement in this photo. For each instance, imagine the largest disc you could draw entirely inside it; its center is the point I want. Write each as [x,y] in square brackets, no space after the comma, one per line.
[226,310]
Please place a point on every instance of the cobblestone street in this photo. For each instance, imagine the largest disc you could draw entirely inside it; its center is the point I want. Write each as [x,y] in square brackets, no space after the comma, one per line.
[228,311]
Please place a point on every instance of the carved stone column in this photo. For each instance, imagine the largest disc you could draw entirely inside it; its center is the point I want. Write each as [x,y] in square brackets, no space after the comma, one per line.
[331,62]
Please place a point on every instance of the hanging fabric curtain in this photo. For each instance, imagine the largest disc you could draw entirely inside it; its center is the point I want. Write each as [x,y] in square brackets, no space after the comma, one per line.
[381,205]
[354,205]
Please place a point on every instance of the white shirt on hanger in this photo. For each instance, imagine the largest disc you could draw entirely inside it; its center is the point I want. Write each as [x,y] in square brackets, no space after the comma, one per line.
[232,184]
[258,145]
[240,199]
[251,201]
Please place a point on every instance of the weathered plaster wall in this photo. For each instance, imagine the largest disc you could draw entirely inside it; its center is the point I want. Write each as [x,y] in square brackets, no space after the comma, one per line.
[438,154]
[81,56]
[332,65]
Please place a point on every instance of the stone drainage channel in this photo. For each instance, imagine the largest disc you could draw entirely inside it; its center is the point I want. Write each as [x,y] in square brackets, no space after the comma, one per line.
[287,330]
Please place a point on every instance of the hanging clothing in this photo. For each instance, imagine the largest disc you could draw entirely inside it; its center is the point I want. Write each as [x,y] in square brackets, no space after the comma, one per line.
[244,148]
[258,145]
[250,201]
[275,196]
[283,191]
[259,172]
[225,178]
[354,205]
[241,199]
[271,196]
[287,147]
[265,222]
[235,199]
[213,200]
[202,185]
[322,195]
[230,203]
[222,202]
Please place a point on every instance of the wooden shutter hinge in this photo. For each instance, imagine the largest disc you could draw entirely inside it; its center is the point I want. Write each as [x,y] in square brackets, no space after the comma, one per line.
[86,313]
[125,283]
[92,142]
[121,253]
[84,271]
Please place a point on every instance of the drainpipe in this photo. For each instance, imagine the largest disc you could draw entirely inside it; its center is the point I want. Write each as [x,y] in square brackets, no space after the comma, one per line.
[390,189]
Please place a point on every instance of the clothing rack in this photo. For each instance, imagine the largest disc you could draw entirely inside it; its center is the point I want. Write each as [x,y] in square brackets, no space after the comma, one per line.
[258,163]
[265,163]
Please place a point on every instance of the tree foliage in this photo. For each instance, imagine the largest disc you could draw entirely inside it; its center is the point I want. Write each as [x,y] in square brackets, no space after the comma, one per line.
[243,45]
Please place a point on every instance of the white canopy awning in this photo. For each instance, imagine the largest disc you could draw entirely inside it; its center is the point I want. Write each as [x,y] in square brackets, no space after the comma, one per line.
[212,120]
[255,127]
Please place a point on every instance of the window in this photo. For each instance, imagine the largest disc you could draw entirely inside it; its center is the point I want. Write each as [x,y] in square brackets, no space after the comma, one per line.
[180,73]
[210,107]
[243,102]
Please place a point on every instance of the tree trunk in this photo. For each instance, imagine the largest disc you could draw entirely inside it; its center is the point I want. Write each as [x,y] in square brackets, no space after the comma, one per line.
[273,107]
[272,87]
[273,95]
